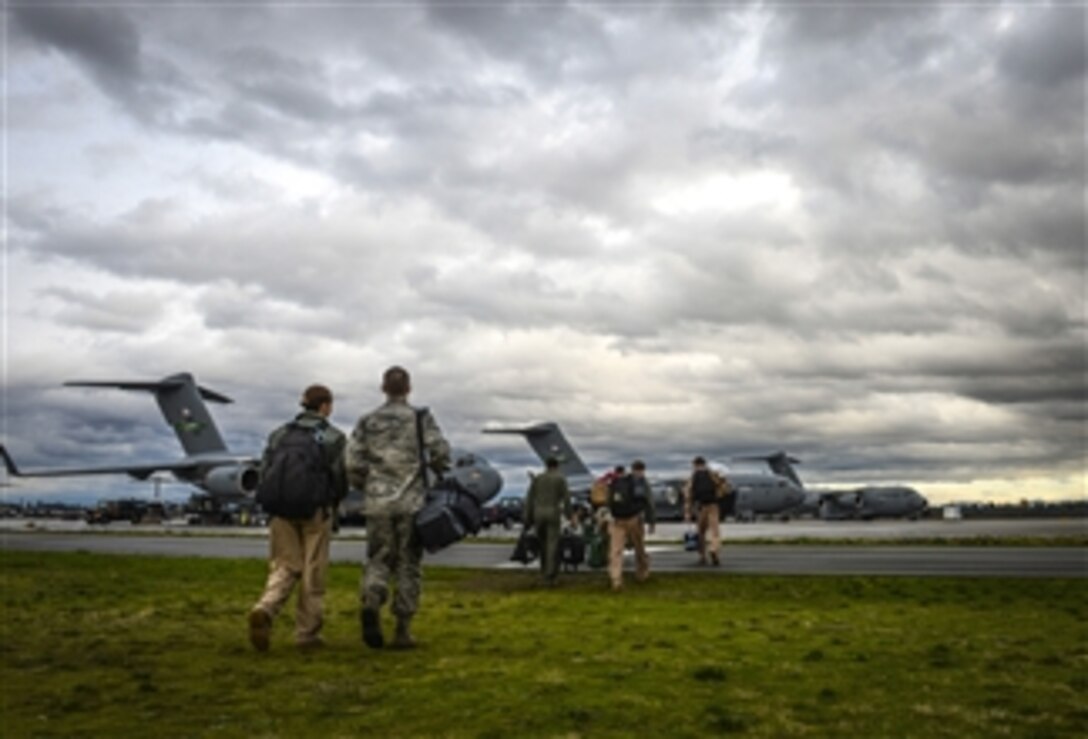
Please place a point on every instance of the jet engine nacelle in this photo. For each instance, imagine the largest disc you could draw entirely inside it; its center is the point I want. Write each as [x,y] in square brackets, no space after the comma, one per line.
[231,481]
[475,475]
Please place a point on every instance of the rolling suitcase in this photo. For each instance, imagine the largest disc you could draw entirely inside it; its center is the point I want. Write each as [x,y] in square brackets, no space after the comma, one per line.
[691,541]
[597,545]
[572,550]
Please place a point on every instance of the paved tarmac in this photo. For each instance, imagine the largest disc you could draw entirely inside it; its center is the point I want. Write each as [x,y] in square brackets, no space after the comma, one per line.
[737,558]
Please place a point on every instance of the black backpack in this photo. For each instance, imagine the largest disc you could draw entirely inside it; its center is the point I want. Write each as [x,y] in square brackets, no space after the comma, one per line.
[298,480]
[703,488]
[624,502]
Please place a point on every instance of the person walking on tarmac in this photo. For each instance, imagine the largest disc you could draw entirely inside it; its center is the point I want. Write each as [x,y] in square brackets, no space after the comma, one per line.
[382,460]
[548,497]
[704,489]
[629,501]
[302,481]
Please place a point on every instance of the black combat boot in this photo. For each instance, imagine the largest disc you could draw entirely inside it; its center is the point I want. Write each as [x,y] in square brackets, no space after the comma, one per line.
[372,628]
[403,639]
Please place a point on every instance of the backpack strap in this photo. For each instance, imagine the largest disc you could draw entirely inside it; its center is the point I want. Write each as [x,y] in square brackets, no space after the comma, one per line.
[419,446]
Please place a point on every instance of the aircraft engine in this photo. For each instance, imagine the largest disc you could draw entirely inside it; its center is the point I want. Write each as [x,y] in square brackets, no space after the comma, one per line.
[475,475]
[231,481]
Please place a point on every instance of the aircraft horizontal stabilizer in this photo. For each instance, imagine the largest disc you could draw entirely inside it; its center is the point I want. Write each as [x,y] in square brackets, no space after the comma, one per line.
[539,429]
[138,471]
[767,458]
[173,382]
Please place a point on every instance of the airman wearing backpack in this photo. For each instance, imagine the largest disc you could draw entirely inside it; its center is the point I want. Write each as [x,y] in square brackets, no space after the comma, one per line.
[302,481]
[704,490]
[631,503]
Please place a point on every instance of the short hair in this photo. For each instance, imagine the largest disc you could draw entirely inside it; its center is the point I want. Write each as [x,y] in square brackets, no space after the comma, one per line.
[620,469]
[551,463]
[638,465]
[698,461]
[396,381]
[315,396]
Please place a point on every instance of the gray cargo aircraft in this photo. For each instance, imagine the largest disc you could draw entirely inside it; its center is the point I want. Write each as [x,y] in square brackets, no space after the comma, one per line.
[208,463]
[865,503]
[771,493]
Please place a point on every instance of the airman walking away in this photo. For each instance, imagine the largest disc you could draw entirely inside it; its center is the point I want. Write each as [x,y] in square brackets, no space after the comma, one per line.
[383,462]
[703,490]
[630,501]
[547,500]
[302,481]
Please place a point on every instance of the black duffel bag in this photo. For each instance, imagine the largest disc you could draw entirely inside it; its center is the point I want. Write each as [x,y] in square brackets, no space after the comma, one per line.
[449,515]
[528,547]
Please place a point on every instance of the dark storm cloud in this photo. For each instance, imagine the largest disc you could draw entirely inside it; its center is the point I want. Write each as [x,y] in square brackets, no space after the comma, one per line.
[104,39]
[107,43]
[86,428]
[1046,48]
[128,311]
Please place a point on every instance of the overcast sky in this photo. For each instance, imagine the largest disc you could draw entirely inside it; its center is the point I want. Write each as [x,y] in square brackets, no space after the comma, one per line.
[853,232]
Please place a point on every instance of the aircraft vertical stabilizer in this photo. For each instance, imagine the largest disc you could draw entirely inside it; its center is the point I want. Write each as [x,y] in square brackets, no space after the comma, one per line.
[782,464]
[181,401]
[548,441]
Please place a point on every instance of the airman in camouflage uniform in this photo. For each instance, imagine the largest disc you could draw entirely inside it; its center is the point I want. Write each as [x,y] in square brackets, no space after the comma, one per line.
[383,461]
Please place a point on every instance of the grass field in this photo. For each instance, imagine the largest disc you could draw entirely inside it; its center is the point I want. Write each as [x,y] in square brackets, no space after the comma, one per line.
[98,645]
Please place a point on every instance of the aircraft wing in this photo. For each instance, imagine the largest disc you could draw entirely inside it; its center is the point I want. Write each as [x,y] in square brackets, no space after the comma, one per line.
[138,471]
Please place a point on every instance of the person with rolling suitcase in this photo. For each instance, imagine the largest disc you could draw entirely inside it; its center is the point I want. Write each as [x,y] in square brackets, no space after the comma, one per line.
[572,543]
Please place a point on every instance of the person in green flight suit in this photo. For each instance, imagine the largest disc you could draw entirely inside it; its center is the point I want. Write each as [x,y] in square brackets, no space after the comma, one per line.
[548,498]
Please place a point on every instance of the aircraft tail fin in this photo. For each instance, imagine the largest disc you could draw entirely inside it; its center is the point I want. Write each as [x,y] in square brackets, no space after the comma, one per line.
[548,441]
[780,464]
[9,463]
[181,401]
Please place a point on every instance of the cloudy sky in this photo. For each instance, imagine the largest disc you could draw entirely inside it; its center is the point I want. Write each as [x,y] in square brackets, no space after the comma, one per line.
[856,232]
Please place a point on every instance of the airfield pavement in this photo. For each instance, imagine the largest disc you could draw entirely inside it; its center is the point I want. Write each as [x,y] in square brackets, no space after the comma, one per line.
[668,556]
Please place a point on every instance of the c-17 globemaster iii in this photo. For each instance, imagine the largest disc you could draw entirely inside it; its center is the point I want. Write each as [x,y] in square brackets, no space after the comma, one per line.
[771,493]
[209,465]
[778,491]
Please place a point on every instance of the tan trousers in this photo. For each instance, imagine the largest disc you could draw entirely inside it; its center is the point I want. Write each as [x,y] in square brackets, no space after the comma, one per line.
[708,525]
[620,531]
[298,550]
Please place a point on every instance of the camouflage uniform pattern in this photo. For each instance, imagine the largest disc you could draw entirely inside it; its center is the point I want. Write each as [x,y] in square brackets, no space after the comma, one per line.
[383,458]
[382,461]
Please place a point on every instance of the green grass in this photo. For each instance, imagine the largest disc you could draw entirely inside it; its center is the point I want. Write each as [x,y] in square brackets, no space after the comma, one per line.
[99,645]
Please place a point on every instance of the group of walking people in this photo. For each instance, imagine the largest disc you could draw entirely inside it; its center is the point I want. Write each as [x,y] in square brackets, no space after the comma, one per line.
[308,466]
[623,510]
